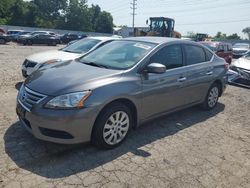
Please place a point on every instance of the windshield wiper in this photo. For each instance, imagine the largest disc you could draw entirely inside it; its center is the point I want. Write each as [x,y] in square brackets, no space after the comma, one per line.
[96,65]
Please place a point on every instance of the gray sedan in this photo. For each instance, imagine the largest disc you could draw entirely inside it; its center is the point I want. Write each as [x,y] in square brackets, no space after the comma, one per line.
[104,94]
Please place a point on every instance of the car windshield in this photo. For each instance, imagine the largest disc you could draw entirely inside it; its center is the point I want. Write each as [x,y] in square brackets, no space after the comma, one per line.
[210,46]
[81,46]
[118,54]
[246,46]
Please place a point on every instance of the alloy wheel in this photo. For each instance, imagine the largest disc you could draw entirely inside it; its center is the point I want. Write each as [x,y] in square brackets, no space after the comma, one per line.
[116,128]
[213,97]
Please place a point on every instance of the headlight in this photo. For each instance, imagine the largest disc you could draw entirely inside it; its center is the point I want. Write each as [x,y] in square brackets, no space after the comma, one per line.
[40,65]
[52,61]
[71,100]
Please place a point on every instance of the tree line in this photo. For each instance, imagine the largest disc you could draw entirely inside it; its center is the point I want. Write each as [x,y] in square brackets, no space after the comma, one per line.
[222,36]
[57,14]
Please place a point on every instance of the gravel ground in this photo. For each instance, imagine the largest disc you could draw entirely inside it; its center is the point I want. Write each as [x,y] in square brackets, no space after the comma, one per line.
[191,148]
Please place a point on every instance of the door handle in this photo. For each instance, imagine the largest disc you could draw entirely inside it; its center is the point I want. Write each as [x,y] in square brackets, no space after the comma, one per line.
[182,79]
[209,73]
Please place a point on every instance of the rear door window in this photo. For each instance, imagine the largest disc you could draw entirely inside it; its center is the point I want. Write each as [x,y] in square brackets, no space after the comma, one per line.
[170,56]
[194,54]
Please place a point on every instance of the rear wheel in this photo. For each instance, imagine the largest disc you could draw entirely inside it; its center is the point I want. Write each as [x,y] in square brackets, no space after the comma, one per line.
[112,126]
[2,41]
[29,42]
[212,97]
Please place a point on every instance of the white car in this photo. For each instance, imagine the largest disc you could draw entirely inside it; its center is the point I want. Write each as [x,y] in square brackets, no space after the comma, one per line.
[70,52]
[239,72]
[240,49]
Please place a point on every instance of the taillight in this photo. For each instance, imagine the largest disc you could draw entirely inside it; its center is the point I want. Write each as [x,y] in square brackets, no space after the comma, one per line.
[226,66]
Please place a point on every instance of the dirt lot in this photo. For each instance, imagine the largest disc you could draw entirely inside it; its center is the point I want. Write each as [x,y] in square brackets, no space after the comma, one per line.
[191,148]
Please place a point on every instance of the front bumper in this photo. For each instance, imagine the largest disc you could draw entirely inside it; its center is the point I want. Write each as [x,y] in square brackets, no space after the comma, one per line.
[239,54]
[59,126]
[239,78]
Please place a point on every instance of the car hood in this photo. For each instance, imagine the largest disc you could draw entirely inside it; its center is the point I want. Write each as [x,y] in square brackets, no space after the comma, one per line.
[52,55]
[69,76]
[243,63]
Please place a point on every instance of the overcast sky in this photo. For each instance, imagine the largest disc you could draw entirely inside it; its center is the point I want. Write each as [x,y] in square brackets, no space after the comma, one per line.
[205,16]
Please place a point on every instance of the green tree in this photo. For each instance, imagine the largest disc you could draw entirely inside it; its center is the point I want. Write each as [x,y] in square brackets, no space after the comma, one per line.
[218,35]
[247,32]
[233,36]
[77,16]
[104,23]
[95,12]
[48,12]
[4,11]
[18,12]
[63,14]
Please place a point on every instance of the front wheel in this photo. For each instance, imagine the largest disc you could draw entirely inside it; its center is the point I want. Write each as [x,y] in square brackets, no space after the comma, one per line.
[212,97]
[112,126]
[29,42]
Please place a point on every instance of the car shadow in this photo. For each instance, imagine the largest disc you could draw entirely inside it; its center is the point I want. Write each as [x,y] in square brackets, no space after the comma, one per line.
[18,85]
[56,161]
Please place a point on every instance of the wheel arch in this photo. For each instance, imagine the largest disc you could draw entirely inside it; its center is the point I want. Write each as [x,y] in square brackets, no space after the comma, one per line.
[125,101]
[219,83]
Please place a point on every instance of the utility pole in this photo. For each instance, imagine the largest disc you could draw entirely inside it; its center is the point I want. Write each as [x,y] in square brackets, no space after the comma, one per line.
[133,13]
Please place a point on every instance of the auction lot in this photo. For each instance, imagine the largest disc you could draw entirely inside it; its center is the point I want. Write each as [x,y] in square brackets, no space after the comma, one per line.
[191,148]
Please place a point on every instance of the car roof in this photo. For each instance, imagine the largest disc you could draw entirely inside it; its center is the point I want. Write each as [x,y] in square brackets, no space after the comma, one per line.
[14,30]
[103,38]
[160,40]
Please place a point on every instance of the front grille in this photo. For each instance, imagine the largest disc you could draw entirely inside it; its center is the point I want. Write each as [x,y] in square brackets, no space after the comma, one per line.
[28,63]
[28,98]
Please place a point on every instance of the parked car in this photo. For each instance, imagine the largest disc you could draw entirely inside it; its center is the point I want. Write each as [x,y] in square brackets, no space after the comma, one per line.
[16,36]
[118,86]
[221,49]
[70,52]
[65,39]
[13,32]
[38,39]
[2,30]
[4,38]
[239,72]
[29,34]
[240,49]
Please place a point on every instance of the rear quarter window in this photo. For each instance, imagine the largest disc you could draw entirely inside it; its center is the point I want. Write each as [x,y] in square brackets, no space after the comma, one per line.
[209,55]
[194,54]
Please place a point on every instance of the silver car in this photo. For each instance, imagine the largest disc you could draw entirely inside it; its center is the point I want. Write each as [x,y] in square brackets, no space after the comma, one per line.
[101,96]
[70,52]
[240,49]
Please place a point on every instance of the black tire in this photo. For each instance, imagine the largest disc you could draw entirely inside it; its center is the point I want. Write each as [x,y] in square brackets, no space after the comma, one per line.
[208,104]
[53,43]
[2,41]
[103,118]
[29,42]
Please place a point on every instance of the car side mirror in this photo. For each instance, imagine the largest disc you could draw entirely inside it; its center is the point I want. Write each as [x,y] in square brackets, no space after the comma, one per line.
[156,68]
